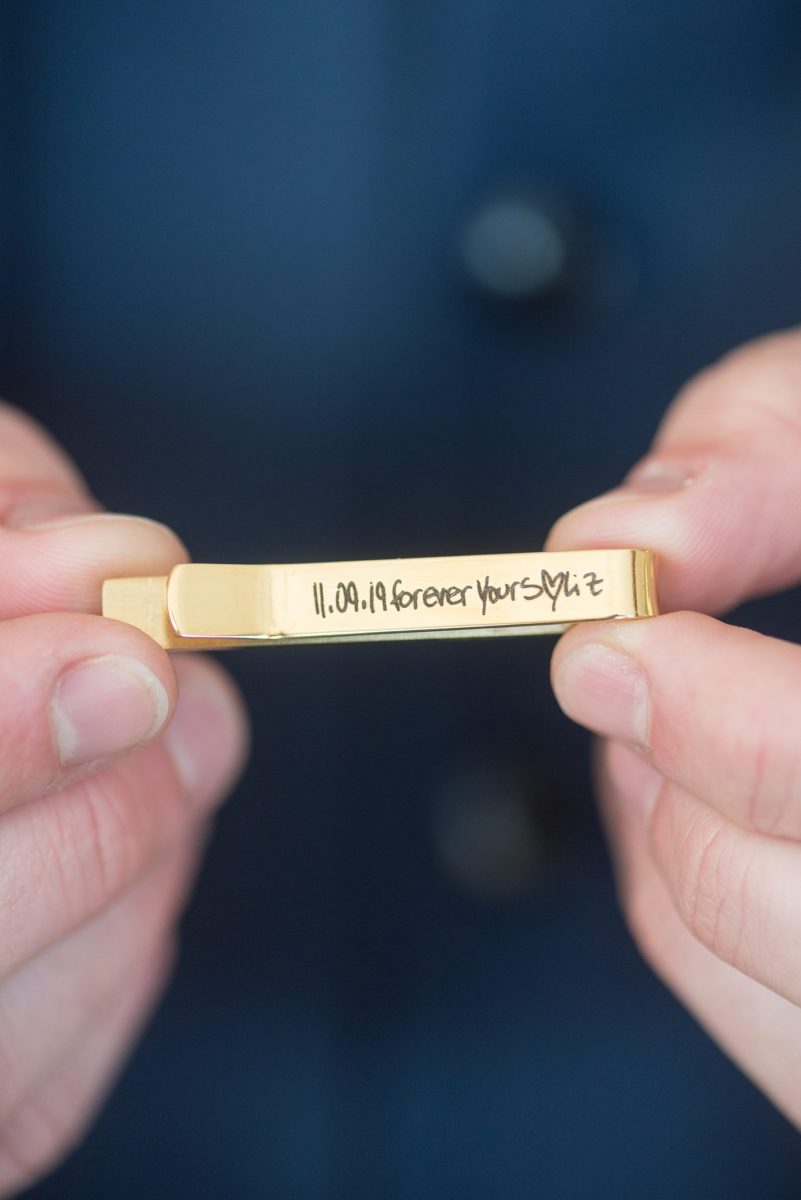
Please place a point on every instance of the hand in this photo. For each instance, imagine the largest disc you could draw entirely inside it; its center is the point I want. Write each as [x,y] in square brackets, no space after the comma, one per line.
[102,814]
[700,769]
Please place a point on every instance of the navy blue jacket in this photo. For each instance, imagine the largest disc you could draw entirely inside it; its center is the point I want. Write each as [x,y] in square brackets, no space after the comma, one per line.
[263,278]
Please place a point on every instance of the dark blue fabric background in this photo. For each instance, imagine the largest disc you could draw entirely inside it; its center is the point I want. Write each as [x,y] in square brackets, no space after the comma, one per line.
[232,289]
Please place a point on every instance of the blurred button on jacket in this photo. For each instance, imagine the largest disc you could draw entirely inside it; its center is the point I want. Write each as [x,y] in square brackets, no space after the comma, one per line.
[317,281]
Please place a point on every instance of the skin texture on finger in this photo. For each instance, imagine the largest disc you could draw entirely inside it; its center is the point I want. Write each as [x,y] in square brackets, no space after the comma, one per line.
[67,855]
[758,1029]
[61,566]
[53,1001]
[717,497]
[50,1122]
[737,892]
[715,708]
[56,716]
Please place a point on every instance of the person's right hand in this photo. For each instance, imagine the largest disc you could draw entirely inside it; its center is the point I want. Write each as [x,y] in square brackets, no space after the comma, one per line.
[699,766]
[111,763]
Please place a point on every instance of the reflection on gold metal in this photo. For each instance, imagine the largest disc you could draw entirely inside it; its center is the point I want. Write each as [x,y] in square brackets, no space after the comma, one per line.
[205,606]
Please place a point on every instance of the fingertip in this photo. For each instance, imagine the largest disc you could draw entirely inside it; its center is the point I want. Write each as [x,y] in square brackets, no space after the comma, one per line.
[28,452]
[62,563]
[105,537]
[689,529]
[208,738]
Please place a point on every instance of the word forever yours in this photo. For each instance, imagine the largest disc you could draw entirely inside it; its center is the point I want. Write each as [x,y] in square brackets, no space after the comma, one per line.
[556,586]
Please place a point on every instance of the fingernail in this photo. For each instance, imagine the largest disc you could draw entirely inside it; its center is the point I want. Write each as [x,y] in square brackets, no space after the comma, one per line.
[204,737]
[606,690]
[657,475]
[104,706]
[649,477]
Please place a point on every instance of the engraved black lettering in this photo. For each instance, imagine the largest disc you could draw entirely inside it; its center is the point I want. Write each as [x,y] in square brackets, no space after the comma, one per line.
[593,583]
[552,586]
[397,592]
[483,593]
[571,589]
[532,591]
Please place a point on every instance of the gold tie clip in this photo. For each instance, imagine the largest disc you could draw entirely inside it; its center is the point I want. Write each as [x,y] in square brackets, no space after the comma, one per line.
[213,606]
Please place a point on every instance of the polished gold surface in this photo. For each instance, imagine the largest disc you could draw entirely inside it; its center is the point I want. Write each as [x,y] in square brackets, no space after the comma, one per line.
[216,606]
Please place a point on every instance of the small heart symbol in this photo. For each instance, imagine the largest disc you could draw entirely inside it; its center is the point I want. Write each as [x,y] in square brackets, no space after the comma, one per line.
[552,586]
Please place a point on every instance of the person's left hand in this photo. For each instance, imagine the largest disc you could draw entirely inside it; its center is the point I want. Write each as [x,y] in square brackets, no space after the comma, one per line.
[113,760]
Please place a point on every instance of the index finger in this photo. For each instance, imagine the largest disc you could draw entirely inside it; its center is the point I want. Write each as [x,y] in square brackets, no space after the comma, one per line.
[56,546]
[36,475]
[719,492]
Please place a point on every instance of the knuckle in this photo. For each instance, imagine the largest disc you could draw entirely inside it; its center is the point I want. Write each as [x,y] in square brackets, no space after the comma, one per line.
[102,833]
[75,852]
[710,883]
[698,884]
[754,761]
[769,775]
[130,815]
[762,804]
